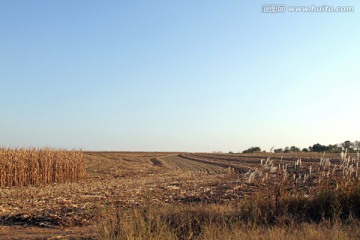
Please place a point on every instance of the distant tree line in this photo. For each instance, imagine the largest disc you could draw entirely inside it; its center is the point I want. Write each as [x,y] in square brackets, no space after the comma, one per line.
[252,150]
[287,149]
[331,148]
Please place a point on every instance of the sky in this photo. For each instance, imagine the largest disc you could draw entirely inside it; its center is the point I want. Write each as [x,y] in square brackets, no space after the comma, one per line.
[198,76]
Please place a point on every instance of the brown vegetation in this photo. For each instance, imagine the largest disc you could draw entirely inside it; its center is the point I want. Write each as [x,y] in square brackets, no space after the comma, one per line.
[23,167]
[194,196]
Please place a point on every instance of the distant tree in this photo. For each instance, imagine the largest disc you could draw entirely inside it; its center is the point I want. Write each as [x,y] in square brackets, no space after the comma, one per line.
[319,148]
[278,150]
[310,148]
[305,150]
[357,145]
[334,148]
[252,150]
[352,146]
[294,149]
[286,150]
[346,145]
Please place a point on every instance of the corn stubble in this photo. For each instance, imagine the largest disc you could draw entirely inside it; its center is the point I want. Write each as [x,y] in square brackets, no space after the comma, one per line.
[23,167]
[299,200]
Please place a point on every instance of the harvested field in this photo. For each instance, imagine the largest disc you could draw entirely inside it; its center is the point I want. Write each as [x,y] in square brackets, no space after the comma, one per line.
[136,179]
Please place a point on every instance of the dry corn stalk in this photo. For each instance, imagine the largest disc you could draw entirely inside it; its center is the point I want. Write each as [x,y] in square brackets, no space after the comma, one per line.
[22,167]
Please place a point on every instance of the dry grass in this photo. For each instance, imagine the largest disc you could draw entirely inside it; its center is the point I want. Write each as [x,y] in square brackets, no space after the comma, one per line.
[301,232]
[211,222]
[23,167]
[327,190]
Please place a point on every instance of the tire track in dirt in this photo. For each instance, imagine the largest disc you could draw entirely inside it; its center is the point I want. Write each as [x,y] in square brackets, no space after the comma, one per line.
[255,159]
[250,162]
[222,164]
[179,162]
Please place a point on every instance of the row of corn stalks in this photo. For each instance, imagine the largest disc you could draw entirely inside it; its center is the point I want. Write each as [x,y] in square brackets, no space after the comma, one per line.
[22,167]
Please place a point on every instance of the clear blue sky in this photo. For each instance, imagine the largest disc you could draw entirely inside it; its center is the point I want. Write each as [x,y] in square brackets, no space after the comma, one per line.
[176,75]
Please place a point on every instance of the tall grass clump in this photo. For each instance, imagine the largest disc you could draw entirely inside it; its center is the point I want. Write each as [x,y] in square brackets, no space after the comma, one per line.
[168,222]
[209,222]
[23,167]
[329,190]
